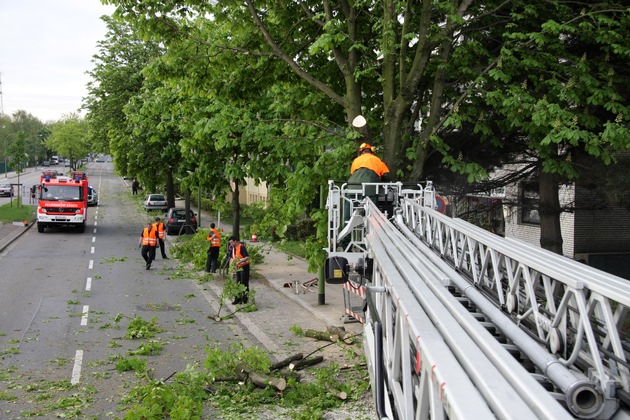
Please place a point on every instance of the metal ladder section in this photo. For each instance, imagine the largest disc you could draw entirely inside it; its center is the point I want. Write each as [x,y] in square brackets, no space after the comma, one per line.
[569,315]
[455,327]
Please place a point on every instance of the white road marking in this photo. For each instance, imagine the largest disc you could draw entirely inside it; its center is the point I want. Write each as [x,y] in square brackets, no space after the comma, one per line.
[93,239]
[76,370]
[84,317]
[94,230]
[91,265]
[88,284]
[92,250]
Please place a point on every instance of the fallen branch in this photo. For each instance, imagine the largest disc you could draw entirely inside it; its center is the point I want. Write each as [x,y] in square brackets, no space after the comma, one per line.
[221,318]
[301,364]
[340,395]
[284,363]
[321,335]
[261,380]
[341,332]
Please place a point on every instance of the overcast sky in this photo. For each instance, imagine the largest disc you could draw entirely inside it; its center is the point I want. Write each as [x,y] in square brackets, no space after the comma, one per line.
[46,47]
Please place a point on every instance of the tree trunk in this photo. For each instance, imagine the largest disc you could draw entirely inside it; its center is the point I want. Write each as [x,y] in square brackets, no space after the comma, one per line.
[170,188]
[549,211]
[236,210]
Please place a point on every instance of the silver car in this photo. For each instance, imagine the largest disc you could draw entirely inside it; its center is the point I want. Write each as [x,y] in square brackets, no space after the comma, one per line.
[6,190]
[155,202]
[92,197]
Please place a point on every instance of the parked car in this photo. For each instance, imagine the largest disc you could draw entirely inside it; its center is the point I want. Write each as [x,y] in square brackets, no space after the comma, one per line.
[155,202]
[6,190]
[46,163]
[92,197]
[176,218]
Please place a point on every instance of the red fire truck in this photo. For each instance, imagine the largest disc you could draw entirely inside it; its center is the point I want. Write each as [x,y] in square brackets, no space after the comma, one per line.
[62,200]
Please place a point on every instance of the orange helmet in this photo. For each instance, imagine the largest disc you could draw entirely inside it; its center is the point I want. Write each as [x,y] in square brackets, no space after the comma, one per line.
[366,146]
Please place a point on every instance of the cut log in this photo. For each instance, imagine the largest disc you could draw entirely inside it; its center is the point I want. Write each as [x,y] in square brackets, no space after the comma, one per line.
[321,335]
[286,362]
[340,395]
[263,381]
[301,364]
[260,380]
[341,332]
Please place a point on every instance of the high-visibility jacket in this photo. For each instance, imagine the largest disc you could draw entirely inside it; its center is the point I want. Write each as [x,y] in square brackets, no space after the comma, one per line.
[370,161]
[214,237]
[159,227]
[149,237]
[239,254]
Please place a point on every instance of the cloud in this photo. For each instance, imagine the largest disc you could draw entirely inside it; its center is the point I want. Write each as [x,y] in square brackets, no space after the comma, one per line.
[46,51]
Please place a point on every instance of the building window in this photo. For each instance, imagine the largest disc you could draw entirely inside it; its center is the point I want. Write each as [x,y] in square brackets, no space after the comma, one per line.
[529,203]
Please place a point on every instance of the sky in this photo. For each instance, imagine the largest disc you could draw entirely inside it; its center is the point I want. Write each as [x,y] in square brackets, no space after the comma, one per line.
[46,48]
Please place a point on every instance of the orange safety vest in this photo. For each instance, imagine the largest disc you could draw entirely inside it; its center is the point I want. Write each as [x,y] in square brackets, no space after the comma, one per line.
[148,237]
[370,161]
[160,229]
[236,255]
[214,237]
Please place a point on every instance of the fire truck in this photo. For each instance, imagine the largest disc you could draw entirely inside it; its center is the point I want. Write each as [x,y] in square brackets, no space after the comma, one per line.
[460,323]
[62,200]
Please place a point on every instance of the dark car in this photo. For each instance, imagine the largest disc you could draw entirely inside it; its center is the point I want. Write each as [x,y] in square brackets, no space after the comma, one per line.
[176,218]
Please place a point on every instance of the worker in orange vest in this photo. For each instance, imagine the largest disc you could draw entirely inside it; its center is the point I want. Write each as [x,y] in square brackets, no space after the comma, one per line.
[159,228]
[148,241]
[214,237]
[240,258]
[367,167]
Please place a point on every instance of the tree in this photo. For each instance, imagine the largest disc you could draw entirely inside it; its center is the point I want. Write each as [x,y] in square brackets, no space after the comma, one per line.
[562,82]
[420,71]
[19,157]
[117,77]
[69,138]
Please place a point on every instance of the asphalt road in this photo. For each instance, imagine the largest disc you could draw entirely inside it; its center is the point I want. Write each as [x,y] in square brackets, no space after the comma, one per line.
[61,292]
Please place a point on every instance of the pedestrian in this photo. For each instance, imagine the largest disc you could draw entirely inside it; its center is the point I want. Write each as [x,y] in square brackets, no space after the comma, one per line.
[240,258]
[134,186]
[213,250]
[159,228]
[148,240]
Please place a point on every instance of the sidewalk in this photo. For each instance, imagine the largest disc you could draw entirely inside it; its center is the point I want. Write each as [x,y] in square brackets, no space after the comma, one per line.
[289,276]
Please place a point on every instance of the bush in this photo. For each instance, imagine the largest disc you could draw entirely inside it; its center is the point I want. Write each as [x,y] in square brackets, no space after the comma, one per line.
[301,231]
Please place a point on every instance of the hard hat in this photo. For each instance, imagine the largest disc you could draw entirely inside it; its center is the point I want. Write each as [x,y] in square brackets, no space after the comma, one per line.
[365,146]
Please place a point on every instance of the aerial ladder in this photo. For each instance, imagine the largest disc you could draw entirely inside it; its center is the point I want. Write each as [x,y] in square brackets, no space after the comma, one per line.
[461,323]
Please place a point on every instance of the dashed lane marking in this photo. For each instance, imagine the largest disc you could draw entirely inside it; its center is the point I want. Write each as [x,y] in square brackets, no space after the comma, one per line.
[76,370]
[84,317]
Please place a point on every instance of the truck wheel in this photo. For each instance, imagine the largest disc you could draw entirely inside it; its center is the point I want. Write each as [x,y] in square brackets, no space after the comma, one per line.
[81,227]
[40,228]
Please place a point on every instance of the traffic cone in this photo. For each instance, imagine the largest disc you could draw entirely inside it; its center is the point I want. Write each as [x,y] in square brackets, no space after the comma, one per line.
[254,237]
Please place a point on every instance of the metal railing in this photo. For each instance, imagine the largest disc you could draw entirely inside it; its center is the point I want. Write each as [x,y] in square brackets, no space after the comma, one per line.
[562,319]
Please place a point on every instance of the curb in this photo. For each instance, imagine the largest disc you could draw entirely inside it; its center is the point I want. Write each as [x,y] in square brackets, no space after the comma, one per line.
[12,237]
